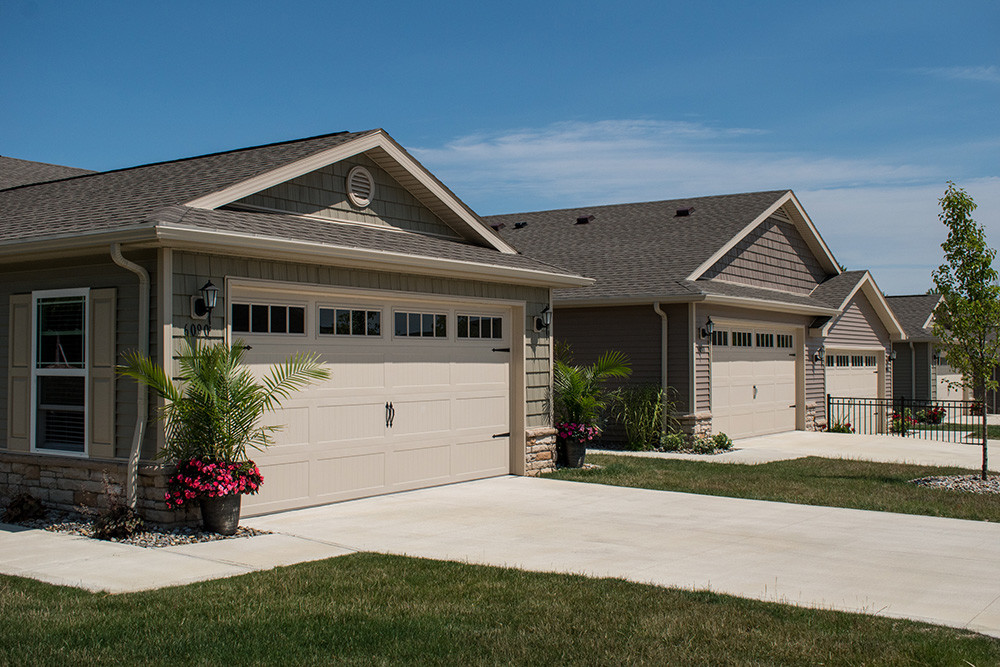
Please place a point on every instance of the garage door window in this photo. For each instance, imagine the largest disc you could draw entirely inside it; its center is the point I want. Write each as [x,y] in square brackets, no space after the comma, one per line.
[350,322]
[478,326]
[742,339]
[784,340]
[720,338]
[268,318]
[765,340]
[421,325]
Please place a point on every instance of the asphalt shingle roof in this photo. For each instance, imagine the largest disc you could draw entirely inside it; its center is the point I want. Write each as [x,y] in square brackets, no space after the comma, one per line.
[642,249]
[15,172]
[125,197]
[912,311]
[291,227]
[835,289]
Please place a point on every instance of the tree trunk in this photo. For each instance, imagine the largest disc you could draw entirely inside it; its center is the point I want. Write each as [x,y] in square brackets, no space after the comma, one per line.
[982,394]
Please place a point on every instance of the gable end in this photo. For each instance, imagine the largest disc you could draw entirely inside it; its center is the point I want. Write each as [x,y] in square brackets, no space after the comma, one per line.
[773,256]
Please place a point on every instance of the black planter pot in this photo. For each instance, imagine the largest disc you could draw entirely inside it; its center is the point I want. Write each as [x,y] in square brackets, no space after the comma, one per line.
[221,515]
[575,453]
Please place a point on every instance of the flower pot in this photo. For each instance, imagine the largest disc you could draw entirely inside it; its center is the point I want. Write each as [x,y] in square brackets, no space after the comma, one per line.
[221,514]
[576,451]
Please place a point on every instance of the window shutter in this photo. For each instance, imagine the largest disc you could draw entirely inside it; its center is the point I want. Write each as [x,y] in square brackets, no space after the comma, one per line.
[19,374]
[101,356]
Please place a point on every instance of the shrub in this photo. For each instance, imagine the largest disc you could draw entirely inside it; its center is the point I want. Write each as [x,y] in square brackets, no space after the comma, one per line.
[841,427]
[640,410]
[722,442]
[673,442]
[23,507]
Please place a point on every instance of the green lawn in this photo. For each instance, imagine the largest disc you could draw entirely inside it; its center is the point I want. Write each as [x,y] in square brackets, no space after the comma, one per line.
[992,430]
[808,481]
[372,609]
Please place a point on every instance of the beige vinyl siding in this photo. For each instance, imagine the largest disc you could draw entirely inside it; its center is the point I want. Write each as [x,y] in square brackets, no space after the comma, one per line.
[323,193]
[95,272]
[815,379]
[774,256]
[191,270]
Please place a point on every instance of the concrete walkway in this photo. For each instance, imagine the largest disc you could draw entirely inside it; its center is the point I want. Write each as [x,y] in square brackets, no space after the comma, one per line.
[938,570]
[888,449]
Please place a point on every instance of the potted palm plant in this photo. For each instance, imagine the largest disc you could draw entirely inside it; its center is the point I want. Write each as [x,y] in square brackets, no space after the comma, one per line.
[212,416]
[580,399]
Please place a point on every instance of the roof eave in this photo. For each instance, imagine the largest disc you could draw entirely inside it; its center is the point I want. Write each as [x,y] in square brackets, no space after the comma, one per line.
[276,248]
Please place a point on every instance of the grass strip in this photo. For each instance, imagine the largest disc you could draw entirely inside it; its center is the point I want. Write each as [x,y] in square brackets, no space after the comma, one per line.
[374,610]
[811,480]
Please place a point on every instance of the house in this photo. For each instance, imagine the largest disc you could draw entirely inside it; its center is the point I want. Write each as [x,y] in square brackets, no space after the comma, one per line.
[922,373]
[733,301]
[341,244]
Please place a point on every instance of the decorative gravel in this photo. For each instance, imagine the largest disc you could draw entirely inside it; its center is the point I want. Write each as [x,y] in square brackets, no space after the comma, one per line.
[968,483]
[154,536]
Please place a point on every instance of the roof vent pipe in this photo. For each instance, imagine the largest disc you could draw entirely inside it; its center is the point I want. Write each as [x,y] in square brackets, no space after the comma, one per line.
[520,225]
[582,220]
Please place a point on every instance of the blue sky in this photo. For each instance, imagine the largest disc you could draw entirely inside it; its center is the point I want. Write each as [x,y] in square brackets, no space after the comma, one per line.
[865,109]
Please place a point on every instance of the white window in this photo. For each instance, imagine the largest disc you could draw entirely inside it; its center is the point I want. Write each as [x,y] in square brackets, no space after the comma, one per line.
[479,326]
[420,325]
[350,322]
[59,371]
[268,318]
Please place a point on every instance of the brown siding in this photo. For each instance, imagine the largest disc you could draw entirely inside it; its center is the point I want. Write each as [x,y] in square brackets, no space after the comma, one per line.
[633,330]
[775,256]
[323,193]
[815,377]
[191,270]
[94,272]
[679,355]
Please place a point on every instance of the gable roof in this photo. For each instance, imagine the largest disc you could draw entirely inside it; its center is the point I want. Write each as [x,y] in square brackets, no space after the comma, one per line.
[838,291]
[646,252]
[914,312]
[14,172]
[151,203]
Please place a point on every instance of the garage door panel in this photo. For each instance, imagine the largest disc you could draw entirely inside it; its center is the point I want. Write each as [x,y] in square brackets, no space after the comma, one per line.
[293,423]
[404,374]
[283,483]
[426,464]
[480,412]
[348,474]
[485,456]
[354,371]
[421,417]
[349,423]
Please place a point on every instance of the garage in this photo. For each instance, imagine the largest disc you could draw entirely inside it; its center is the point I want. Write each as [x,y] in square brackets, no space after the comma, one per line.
[753,381]
[852,373]
[419,394]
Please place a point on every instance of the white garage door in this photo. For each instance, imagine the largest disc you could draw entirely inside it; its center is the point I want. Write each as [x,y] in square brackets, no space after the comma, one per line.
[945,391]
[419,395]
[852,374]
[753,382]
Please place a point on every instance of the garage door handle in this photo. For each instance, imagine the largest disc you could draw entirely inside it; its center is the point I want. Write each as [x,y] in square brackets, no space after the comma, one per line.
[501,349]
[755,391]
[390,415]
[502,435]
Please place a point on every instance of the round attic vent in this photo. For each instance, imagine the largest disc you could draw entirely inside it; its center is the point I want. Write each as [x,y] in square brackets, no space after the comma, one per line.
[360,186]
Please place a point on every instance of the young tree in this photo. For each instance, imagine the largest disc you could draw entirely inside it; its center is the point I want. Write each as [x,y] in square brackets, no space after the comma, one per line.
[968,319]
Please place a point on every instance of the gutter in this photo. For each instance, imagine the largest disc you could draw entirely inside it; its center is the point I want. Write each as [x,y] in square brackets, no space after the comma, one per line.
[142,394]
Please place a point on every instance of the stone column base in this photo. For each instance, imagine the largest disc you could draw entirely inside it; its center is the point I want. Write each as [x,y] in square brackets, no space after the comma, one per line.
[696,424]
[539,450]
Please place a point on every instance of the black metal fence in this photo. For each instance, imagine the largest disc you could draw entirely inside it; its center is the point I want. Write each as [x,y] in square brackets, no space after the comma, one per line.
[951,421]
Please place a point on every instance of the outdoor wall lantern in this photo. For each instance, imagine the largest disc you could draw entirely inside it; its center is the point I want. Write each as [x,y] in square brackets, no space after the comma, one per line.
[543,320]
[820,354]
[892,355]
[708,329]
[203,303]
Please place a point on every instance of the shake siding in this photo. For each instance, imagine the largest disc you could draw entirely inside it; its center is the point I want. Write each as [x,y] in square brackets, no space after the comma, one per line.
[191,270]
[774,256]
[98,272]
[323,193]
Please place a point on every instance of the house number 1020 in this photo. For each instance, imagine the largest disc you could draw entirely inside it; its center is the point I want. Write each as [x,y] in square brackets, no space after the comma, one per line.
[196,330]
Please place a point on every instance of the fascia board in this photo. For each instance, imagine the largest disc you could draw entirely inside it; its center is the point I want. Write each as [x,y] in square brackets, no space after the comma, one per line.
[773,306]
[75,244]
[812,237]
[638,300]
[275,248]
[377,139]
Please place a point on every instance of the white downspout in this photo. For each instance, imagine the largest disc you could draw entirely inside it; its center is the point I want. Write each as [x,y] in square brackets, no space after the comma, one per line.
[663,360]
[142,394]
[913,371]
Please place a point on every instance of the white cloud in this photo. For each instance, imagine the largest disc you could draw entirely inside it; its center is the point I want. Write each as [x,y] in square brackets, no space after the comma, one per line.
[990,73]
[874,214]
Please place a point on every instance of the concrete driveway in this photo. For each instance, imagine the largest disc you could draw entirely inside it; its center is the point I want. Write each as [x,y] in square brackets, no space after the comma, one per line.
[938,570]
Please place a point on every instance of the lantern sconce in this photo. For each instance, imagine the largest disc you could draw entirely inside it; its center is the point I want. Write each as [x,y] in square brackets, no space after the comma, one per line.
[543,320]
[708,329]
[203,303]
[820,354]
